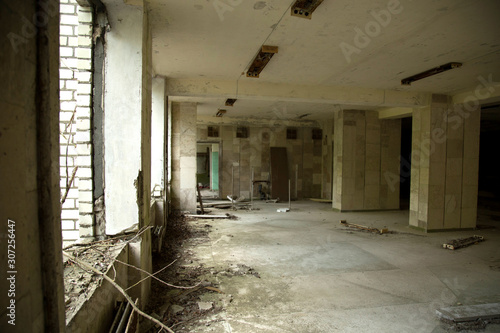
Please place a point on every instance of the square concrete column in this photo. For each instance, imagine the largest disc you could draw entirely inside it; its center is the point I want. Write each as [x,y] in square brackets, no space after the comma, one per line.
[29,163]
[127,134]
[445,162]
[127,123]
[159,115]
[184,156]
[366,161]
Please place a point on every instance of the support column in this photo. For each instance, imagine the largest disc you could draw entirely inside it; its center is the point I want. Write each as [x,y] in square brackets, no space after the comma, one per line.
[127,125]
[366,161]
[158,154]
[29,163]
[184,156]
[326,162]
[158,108]
[445,164]
[127,134]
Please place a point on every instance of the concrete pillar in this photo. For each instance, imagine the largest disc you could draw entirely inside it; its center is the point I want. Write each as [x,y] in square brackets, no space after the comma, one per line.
[445,162]
[366,161]
[127,134]
[184,156]
[327,160]
[159,112]
[30,211]
[127,124]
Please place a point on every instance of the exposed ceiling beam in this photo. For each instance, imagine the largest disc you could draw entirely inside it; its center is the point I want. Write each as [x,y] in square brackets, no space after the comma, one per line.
[395,113]
[485,92]
[296,93]
[210,120]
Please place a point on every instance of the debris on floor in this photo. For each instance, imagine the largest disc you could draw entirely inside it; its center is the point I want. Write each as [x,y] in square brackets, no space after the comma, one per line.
[238,203]
[208,216]
[197,309]
[236,199]
[365,228]
[463,242]
[471,317]
[238,270]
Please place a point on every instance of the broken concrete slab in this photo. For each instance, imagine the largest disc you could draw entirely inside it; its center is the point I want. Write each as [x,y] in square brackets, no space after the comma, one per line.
[458,314]
[205,306]
[175,309]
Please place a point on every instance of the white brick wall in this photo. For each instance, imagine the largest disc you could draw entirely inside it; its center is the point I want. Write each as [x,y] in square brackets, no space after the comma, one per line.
[68,84]
[75,90]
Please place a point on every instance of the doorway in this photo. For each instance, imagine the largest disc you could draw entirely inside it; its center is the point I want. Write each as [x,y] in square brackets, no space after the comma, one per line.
[405,163]
[489,178]
[207,169]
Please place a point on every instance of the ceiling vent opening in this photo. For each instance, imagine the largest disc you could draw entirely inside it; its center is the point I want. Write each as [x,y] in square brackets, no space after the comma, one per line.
[220,113]
[305,8]
[261,60]
[230,101]
[430,72]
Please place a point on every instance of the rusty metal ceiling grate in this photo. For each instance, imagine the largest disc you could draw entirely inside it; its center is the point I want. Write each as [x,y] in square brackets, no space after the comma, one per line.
[305,8]
[220,112]
[261,60]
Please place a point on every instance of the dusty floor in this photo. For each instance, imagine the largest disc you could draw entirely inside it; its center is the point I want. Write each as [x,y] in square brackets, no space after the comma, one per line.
[302,271]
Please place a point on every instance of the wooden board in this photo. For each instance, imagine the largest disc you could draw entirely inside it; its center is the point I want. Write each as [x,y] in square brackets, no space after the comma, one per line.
[463,242]
[279,173]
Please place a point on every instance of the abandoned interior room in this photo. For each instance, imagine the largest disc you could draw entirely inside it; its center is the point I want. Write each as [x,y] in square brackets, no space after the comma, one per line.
[250,166]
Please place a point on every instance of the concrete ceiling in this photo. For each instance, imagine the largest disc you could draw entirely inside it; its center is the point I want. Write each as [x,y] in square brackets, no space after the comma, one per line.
[214,41]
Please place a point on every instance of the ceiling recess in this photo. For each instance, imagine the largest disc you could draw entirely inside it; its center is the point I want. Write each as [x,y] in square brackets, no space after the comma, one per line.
[430,72]
[230,101]
[305,8]
[261,60]
[220,112]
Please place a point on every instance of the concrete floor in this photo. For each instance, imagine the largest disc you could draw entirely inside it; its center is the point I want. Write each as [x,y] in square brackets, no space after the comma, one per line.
[316,276]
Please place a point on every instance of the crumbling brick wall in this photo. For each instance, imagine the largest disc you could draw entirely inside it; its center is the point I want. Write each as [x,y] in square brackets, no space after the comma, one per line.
[75,120]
